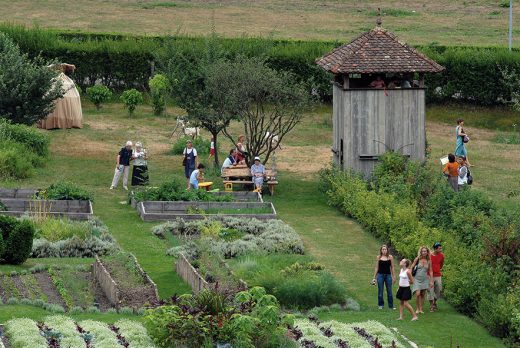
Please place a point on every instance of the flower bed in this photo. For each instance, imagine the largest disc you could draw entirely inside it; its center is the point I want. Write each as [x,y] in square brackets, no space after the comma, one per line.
[333,334]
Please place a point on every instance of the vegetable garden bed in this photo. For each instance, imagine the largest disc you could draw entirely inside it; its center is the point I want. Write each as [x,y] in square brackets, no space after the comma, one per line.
[169,211]
[73,209]
[62,331]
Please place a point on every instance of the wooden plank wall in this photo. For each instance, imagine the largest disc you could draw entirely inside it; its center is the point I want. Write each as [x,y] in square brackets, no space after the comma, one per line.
[371,121]
[190,275]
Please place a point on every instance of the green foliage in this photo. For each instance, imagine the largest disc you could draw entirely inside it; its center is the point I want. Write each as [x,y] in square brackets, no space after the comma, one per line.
[65,190]
[17,236]
[251,319]
[98,95]
[202,145]
[33,139]
[16,160]
[481,241]
[175,191]
[28,88]
[159,85]
[131,98]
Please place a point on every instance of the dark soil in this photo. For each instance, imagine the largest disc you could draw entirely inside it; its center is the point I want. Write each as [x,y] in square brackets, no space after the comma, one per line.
[137,297]
[99,295]
[48,288]
[20,286]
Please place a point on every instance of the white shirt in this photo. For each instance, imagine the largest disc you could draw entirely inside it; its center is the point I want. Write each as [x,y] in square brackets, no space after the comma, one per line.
[404,281]
[139,160]
[463,175]
[186,151]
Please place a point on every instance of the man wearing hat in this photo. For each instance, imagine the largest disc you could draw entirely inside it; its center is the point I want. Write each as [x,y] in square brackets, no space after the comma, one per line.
[123,165]
[437,260]
[258,174]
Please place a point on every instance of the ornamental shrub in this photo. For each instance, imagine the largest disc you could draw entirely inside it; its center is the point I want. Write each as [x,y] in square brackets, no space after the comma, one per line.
[18,238]
[98,95]
[33,139]
[158,89]
[16,160]
[131,98]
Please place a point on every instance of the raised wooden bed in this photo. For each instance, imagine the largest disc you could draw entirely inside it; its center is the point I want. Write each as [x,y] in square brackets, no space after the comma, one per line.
[17,193]
[78,210]
[168,211]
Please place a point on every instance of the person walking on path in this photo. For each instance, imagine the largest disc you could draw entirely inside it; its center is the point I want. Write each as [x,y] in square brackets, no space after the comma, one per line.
[423,277]
[190,161]
[437,261]
[384,276]
[451,169]
[404,293]
[460,148]
[123,166]
[140,170]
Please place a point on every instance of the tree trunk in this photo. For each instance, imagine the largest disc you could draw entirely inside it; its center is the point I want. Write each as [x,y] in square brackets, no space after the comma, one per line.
[217,164]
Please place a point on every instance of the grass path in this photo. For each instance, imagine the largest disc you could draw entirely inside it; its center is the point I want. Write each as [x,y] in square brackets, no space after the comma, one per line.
[348,251]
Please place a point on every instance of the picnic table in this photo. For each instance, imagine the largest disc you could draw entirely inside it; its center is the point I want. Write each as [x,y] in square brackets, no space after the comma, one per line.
[241,175]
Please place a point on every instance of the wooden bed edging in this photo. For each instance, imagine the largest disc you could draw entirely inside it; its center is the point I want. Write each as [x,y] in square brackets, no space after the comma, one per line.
[106,281]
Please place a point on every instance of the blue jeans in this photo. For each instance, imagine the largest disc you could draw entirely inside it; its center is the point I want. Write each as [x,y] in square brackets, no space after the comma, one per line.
[382,280]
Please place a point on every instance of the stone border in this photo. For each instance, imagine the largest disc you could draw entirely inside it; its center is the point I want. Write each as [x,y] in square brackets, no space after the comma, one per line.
[106,282]
[169,211]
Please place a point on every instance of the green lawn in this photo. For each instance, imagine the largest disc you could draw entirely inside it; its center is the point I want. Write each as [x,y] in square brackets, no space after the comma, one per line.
[87,157]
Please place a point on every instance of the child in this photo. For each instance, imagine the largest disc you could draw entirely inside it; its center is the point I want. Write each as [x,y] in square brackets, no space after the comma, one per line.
[212,148]
[405,293]
[196,176]
[451,169]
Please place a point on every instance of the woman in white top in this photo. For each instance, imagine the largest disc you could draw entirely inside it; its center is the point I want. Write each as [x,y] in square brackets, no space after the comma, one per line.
[405,293]
[463,172]
[140,171]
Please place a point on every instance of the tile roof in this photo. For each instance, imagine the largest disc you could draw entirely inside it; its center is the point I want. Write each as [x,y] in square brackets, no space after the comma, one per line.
[376,51]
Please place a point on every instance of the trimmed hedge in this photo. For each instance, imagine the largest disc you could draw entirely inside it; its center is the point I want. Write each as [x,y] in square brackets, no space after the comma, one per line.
[406,210]
[16,239]
[121,62]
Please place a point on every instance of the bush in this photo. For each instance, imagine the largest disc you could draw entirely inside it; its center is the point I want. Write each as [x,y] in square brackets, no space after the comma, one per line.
[64,190]
[28,88]
[202,146]
[131,98]
[28,136]
[16,160]
[158,88]
[175,191]
[98,95]
[18,238]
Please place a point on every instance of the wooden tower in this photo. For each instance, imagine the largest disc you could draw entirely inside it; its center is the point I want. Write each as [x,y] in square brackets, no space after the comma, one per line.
[369,119]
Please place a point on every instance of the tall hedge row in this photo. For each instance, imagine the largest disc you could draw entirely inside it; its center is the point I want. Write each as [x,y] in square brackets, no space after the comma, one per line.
[472,74]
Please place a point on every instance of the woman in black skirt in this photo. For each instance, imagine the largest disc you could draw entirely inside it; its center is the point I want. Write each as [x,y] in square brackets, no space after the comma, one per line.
[405,293]
[140,172]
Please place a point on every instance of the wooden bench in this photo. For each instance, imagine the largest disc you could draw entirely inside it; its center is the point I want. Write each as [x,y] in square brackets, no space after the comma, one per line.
[242,176]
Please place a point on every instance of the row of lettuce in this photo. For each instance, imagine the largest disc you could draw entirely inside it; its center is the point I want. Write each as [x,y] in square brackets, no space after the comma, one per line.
[408,205]
[473,74]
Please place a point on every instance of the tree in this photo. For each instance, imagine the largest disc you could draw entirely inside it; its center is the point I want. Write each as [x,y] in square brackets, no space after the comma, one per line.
[28,88]
[268,103]
[131,98]
[158,88]
[188,73]
[98,95]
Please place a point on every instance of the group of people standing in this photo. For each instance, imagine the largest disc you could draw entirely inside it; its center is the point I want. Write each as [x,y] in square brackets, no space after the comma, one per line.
[421,277]
[139,157]
[457,168]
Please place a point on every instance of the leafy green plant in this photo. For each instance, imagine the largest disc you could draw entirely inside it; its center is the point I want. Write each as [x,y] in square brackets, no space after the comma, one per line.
[37,141]
[60,286]
[65,190]
[98,95]
[175,191]
[131,98]
[158,87]
[16,160]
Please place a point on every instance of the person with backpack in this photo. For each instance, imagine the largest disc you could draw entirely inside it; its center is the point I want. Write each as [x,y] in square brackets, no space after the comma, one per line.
[437,261]
[423,276]
[384,276]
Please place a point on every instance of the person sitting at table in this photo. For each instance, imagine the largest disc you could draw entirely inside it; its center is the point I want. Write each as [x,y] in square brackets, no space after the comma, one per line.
[258,174]
[197,176]
[230,160]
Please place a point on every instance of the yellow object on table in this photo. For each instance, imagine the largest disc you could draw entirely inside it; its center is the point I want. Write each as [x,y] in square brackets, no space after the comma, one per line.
[207,185]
